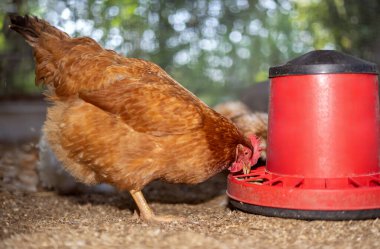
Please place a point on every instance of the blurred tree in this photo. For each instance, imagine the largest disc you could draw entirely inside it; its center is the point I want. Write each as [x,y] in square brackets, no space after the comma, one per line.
[213,47]
[352,26]
[16,65]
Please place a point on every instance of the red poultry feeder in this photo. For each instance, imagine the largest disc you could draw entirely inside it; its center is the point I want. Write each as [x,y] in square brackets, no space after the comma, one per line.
[323,142]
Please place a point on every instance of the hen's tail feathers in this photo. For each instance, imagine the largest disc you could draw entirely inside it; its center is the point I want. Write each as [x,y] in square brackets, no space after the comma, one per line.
[31,28]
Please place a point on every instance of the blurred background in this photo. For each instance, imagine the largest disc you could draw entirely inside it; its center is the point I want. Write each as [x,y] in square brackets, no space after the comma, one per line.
[220,50]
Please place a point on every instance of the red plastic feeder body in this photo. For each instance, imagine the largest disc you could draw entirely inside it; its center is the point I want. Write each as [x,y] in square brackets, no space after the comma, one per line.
[323,142]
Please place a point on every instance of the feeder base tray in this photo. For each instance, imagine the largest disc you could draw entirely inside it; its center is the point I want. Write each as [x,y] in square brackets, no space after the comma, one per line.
[266,193]
[307,214]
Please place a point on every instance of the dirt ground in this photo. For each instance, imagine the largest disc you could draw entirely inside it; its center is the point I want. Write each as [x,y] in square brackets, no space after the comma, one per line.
[36,218]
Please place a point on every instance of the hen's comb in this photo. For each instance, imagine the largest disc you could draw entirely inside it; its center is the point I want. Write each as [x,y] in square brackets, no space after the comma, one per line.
[255,141]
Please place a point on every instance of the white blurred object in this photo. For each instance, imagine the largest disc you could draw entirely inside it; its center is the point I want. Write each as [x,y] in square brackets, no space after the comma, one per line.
[53,176]
[247,121]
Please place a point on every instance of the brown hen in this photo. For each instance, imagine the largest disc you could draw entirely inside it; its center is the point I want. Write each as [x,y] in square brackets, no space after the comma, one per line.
[125,121]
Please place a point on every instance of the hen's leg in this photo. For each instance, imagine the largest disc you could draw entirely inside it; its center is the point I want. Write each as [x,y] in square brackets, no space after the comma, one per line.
[146,212]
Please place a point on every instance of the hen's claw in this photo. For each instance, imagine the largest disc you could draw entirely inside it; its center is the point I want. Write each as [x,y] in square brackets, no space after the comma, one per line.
[163,218]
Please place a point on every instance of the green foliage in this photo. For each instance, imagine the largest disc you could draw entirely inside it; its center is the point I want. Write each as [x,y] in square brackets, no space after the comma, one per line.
[349,25]
[213,47]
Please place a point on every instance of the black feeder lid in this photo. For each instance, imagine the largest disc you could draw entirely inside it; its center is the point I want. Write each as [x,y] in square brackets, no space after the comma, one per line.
[324,62]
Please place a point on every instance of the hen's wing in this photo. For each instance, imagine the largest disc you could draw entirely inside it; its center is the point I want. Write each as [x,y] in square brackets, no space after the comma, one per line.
[149,107]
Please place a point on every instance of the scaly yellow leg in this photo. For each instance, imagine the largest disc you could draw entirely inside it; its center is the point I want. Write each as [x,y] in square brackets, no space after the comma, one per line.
[146,213]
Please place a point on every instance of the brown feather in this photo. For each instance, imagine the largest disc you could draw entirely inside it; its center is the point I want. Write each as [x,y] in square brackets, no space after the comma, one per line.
[125,121]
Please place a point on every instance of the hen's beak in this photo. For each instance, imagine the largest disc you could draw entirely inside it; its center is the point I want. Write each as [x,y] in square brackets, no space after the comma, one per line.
[246,168]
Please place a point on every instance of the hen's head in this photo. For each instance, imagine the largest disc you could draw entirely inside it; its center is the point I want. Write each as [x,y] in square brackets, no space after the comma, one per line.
[245,157]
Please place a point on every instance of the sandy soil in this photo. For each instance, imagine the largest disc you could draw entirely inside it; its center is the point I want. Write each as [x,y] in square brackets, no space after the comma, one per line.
[43,219]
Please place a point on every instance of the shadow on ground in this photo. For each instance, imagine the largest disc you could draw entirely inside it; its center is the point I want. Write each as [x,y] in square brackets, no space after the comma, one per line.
[158,192]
